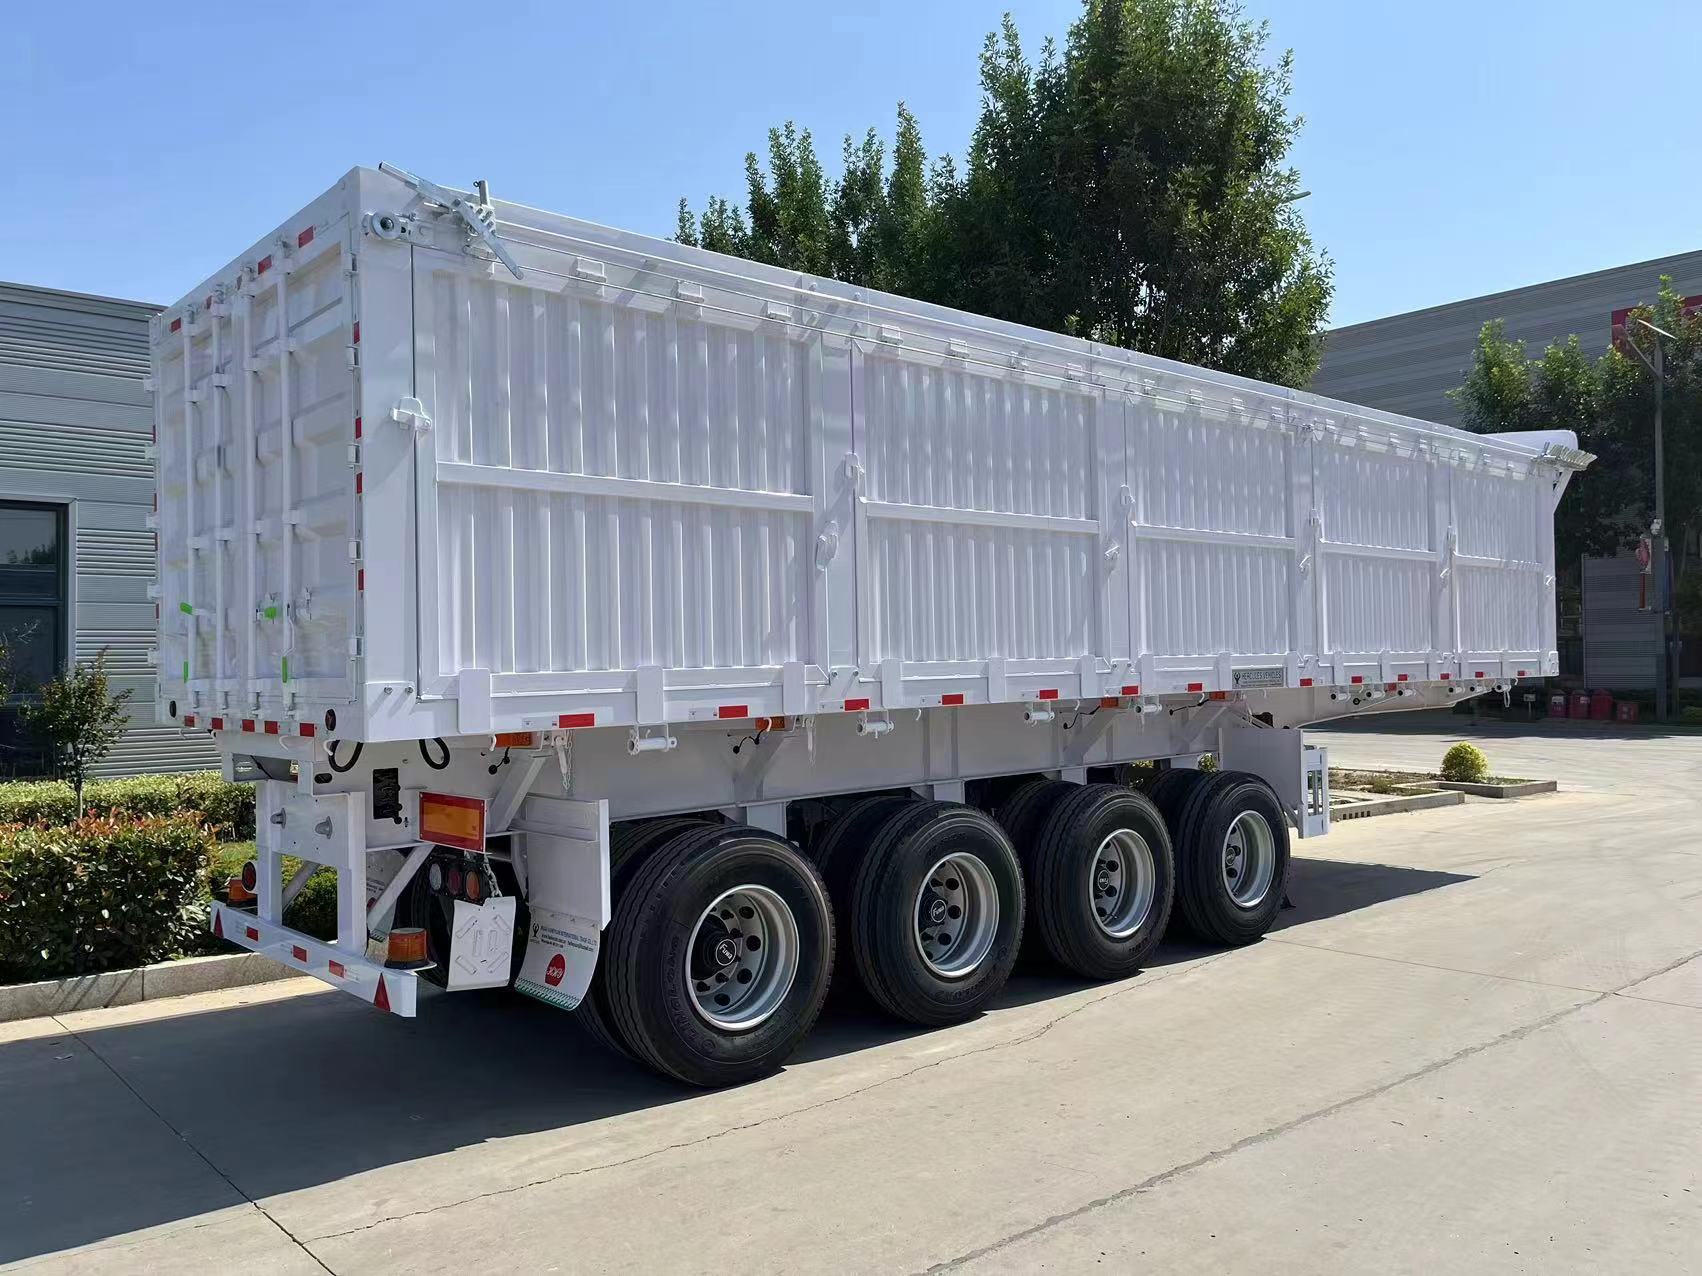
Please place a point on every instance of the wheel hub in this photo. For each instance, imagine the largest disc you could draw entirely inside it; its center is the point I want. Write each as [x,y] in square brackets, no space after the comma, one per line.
[1122,883]
[1249,859]
[957,915]
[742,959]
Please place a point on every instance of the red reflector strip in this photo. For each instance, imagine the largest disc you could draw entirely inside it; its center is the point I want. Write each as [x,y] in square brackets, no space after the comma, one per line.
[852,706]
[1306,682]
[360,484]
[733,711]
[271,728]
[357,332]
[305,238]
[1400,677]
[381,999]
[217,724]
[298,952]
[176,325]
[1357,679]
[577,720]
[248,724]
[263,265]
[1521,673]
[1445,676]
[1050,693]
[1196,686]
[1133,689]
[309,729]
[357,427]
[339,970]
[952,697]
[253,934]
[189,719]
[360,580]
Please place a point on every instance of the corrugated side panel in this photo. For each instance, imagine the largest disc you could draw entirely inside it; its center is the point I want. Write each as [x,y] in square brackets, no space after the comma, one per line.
[1379,499]
[1199,485]
[939,440]
[580,444]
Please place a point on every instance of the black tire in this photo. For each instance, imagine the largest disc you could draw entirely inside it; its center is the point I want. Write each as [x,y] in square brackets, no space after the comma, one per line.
[1074,894]
[1170,791]
[838,853]
[648,950]
[1212,907]
[1022,813]
[629,843]
[883,921]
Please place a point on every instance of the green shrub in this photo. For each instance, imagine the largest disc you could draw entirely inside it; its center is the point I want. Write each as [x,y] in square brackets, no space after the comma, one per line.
[100,894]
[1465,763]
[227,808]
[314,909]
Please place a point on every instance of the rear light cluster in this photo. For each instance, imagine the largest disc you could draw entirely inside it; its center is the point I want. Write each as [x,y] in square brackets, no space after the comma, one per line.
[453,877]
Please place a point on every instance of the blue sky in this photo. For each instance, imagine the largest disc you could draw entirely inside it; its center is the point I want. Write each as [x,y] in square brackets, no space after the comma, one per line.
[1451,149]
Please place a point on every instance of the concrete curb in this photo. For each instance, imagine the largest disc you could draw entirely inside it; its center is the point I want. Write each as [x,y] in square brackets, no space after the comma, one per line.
[1394,805]
[1523,789]
[145,983]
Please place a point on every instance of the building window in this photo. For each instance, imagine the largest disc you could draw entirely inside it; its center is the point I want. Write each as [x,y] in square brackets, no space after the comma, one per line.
[34,589]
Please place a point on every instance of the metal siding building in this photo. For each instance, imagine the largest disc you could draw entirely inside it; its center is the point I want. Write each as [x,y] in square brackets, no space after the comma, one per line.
[76,488]
[1408,363]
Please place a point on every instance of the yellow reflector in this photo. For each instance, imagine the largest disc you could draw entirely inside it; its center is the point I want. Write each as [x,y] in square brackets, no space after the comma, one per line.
[447,819]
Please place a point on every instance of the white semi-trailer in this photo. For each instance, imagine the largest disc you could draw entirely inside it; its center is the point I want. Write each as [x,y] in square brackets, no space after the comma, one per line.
[642,627]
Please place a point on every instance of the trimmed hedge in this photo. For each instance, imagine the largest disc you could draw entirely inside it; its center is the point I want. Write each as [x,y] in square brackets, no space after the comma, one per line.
[227,808]
[99,894]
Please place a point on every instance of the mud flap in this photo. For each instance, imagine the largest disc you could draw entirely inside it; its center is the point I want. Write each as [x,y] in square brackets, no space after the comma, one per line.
[481,944]
[561,953]
[564,851]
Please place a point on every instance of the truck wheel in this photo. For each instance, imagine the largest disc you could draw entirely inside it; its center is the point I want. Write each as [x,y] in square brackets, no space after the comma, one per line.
[1232,859]
[1100,881]
[936,912]
[629,843]
[719,960]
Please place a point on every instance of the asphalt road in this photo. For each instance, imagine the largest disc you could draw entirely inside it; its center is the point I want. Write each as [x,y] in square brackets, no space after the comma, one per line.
[1474,1045]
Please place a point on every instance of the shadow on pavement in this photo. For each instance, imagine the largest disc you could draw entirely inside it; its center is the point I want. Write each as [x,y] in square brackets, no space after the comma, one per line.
[292,1094]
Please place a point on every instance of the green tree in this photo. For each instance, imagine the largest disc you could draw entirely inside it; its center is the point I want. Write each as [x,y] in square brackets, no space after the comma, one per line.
[1133,189]
[78,719]
[1609,403]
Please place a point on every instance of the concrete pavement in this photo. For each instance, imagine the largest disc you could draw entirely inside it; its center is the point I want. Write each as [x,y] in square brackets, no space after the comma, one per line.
[1473,1045]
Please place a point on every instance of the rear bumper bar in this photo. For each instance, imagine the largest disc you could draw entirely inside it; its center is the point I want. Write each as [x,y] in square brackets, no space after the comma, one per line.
[354,973]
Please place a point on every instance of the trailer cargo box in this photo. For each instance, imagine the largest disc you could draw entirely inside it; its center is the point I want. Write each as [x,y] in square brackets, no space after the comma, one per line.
[704,538]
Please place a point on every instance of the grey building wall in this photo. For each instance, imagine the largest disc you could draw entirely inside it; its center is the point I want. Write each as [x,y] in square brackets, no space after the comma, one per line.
[1622,641]
[1408,363]
[74,420]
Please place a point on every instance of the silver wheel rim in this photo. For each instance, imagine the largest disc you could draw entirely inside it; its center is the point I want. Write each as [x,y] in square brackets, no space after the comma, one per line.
[957,915]
[742,958]
[1249,859]
[1121,883]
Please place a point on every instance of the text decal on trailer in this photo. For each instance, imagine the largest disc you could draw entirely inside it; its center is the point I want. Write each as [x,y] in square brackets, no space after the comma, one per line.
[1271,677]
